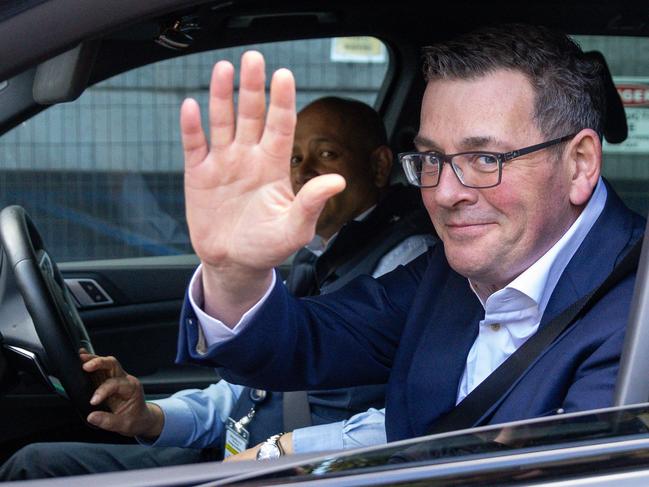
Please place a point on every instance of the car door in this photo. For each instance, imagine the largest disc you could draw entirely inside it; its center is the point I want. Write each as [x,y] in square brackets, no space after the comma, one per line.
[102,179]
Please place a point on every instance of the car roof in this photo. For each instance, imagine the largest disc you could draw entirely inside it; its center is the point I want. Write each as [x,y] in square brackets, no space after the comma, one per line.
[117,36]
[34,30]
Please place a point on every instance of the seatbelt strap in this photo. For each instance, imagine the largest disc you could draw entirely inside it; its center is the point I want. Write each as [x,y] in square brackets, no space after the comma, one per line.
[296,410]
[472,409]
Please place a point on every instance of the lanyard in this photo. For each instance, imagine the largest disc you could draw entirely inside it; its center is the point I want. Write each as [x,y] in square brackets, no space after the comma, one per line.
[257,396]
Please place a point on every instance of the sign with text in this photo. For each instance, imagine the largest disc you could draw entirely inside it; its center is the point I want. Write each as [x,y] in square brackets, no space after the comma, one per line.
[634,93]
[358,50]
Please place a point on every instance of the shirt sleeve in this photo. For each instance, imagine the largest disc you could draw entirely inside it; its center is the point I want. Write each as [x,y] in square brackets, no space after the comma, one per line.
[406,251]
[211,330]
[363,429]
[195,418]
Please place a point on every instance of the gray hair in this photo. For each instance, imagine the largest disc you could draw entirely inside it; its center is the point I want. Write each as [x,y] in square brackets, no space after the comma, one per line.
[568,84]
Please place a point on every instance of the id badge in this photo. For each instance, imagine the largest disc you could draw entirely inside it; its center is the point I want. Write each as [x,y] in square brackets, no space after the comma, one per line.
[236,438]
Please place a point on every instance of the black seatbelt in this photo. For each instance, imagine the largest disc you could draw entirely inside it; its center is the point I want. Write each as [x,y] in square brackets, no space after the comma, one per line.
[477,403]
[296,410]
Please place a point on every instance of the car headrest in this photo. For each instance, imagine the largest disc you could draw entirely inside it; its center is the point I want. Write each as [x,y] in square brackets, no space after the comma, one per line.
[615,126]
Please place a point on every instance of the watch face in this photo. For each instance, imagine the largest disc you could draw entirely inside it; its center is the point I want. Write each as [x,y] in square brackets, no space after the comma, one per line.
[268,451]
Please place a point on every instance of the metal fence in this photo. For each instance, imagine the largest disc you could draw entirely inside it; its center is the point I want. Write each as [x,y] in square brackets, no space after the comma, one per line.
[102,176]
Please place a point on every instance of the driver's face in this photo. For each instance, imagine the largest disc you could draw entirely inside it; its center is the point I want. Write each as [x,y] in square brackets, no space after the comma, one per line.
[325,143]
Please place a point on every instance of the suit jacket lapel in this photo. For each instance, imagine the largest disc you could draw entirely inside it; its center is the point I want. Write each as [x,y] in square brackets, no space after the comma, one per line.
[452,324]
[605,245]
[439,360]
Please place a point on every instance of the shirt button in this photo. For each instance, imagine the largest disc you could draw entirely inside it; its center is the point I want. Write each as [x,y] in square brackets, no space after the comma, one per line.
[495,326]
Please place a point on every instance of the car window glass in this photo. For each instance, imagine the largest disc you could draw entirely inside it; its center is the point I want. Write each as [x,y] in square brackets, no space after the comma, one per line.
[102,176]
[557,432]
[626,165]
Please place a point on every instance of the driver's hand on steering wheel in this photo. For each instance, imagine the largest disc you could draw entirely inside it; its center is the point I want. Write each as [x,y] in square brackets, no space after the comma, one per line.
[123,394]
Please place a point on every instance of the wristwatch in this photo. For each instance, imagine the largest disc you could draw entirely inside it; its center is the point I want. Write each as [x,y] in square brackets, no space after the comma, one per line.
[270,448]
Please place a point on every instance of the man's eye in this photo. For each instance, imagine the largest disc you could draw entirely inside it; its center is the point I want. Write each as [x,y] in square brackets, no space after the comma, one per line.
[486,163]
[295,160]
[327,154]
[484,159]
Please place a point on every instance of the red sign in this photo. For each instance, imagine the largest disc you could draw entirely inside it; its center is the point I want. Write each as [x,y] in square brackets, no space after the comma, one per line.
[634,95]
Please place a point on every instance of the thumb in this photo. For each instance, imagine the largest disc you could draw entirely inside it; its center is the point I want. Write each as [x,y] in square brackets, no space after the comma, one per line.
[311,198]
[104,420]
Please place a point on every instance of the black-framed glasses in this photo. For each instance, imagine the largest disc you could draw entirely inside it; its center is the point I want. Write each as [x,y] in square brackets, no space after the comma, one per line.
[473,169]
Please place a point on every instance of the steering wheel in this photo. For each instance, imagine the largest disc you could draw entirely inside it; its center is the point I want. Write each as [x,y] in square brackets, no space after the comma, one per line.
[59,327]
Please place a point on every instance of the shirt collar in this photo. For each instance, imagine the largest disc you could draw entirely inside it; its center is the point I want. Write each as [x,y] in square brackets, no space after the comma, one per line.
[317,244]
[538,281]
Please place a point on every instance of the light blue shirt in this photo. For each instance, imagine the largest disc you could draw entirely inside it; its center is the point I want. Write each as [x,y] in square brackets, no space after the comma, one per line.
[195,418]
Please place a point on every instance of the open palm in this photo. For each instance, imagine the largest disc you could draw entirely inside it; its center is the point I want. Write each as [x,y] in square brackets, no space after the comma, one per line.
[241,210]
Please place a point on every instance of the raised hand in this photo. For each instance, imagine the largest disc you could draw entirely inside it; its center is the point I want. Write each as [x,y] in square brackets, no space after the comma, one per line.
[129,414]
[243,216]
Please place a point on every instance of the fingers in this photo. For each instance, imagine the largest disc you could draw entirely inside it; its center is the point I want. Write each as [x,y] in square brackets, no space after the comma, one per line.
[146,423]
[109,364]
[277,129]
[221,105]
[191,131]
[252,99]
[85,356]
[108,422]
[311,198]
[120,387]
[277,140]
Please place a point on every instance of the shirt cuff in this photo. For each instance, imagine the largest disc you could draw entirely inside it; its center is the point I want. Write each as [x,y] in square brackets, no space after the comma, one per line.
[178,421]
[213,331]
[361,430]
[324,437]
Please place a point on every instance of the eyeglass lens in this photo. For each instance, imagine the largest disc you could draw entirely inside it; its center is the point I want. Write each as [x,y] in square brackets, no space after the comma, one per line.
[474,169]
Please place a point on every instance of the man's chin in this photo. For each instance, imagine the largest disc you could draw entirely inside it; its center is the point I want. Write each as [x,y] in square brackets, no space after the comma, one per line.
[467,263]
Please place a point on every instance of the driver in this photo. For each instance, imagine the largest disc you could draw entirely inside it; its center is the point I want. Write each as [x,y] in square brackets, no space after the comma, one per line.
[371,227]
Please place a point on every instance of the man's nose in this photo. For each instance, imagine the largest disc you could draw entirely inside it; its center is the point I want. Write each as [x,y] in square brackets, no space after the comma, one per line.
[450,191]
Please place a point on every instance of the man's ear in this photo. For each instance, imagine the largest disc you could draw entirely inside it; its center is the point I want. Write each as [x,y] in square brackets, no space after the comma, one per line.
[585,157]
[381,160]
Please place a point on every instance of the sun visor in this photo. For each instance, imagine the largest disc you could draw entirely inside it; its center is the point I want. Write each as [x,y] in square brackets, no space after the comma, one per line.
[64,77]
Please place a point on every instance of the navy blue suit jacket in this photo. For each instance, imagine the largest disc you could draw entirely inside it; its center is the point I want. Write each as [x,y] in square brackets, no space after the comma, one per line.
[414,328]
